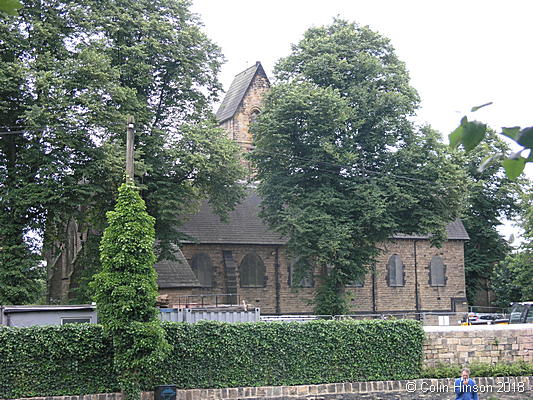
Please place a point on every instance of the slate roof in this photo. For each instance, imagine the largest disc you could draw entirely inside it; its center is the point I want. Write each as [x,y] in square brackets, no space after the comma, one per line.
[236,92]
[175,274]
[245,227]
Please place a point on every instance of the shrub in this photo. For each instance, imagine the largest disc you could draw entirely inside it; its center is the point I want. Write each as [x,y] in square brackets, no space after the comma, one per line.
[78,359]
[126,291]
[211,354]
[480,369]
[55,360]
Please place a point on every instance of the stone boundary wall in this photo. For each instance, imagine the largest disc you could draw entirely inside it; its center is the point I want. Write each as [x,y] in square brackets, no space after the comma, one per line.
[435,389]
[462,345]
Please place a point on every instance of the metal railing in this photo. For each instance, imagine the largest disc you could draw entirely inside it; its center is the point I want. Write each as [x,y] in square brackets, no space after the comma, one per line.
[435,318]
[209,300]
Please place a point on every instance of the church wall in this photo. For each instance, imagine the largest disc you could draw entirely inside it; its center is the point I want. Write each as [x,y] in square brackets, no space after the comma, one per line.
[375,295]
[238,126]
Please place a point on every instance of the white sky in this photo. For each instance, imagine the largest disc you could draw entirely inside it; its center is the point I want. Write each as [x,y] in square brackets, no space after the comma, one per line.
[459,53]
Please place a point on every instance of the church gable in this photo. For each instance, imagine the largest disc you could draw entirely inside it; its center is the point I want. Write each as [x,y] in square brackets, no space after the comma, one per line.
[242,104]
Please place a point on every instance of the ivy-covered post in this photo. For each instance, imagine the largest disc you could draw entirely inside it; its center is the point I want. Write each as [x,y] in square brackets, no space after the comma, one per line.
[125,292]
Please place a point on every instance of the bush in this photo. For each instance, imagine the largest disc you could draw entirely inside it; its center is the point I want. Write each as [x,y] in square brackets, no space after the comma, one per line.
[479,369]
[126,290]
[211,354]
[55,360]
[78,359]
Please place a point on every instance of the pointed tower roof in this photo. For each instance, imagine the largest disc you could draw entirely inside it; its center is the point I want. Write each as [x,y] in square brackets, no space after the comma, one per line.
[237,90]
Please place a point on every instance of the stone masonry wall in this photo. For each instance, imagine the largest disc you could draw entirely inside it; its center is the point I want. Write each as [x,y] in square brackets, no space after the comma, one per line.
[463,345]
[238,126]
[508,388]
[385,298]
[388,299]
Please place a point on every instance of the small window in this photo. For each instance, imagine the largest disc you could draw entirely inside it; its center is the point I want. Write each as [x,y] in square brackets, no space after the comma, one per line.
[203,269]
[395,271]
[301,274]
[437,272]
[253,115]
[65,321]
[252,271]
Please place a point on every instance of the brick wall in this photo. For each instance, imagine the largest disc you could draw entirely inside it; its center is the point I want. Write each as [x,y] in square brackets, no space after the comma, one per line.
[463,345]
[375,295]
[508,388]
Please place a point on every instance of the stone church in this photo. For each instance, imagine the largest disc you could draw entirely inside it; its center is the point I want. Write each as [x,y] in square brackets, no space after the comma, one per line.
[243,261]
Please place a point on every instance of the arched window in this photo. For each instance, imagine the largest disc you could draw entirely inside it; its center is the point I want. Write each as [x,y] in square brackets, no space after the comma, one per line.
[252,271]
[437,272]
[254,114]
[203,269]
[395,271]
[301,274]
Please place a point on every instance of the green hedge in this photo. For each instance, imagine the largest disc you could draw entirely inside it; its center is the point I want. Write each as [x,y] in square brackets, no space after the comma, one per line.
[77,359]
[519,368]
[55,360]
[260,354]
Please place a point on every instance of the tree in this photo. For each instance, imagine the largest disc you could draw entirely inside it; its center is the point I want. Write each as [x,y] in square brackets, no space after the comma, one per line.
[491,196]
[71,73]
[9,7]
[513,278]
[470,133]
[340,166]
[125,292]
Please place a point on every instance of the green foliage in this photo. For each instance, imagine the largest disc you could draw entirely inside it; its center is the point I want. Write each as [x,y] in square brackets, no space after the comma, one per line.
[21,276]
[55,360]
[126,289]
[258,354]
[78,359]
[513,279]
[340,166]
[479,369]
[70,74]
[504,284]
[9,7]
[491,197]
[470,134]
[327,300]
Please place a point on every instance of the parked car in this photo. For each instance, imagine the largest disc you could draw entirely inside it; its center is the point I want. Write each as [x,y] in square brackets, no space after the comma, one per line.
[522,313]
[484,319]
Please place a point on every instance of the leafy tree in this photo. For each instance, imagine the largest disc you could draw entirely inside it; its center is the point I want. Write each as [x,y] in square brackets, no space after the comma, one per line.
[491,196]
[126,289]
[9,7]
[504,281]
[513,279]
[470,133]
[71,72]
[340,166]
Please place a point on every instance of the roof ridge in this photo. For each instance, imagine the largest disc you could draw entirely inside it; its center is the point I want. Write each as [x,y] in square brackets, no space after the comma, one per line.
[236,92]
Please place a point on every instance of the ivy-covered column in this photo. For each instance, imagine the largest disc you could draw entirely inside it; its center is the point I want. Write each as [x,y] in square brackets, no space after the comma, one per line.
[125,292]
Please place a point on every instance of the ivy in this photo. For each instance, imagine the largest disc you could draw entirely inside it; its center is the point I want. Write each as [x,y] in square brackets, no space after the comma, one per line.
[78,359]
[126,291]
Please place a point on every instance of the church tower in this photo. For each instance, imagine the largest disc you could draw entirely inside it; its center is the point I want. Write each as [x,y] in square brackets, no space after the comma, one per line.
[242,104]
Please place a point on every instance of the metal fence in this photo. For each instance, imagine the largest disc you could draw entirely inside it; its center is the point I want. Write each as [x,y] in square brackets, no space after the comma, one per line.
[208,300]
[192,315]
[427,318]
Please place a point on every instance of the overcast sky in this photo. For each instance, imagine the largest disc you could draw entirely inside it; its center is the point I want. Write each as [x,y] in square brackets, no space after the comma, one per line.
[459,53]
